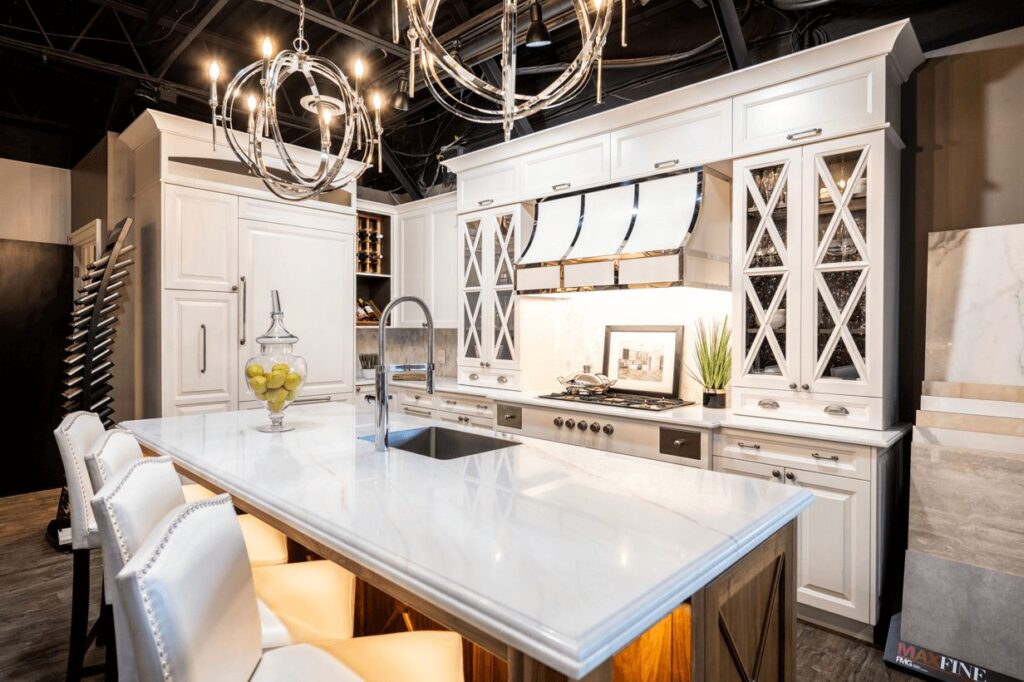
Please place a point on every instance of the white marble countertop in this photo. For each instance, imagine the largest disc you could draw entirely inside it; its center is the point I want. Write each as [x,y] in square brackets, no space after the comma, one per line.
[564,553]
[695,416]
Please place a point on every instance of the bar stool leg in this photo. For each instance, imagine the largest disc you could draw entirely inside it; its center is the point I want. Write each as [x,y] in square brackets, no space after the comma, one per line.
[79,614]
[110,648]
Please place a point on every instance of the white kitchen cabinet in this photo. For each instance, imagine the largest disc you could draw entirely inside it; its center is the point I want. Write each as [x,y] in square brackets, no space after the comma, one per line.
[200,239]
[841,536]
[566,167]
[200,367]
[815,327]
[311,270]
[836,102]
[673,142]
[426,261]
[489,315]
[491,185]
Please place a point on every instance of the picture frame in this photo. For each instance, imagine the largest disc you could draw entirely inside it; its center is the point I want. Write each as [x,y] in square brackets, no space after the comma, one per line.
[644,360]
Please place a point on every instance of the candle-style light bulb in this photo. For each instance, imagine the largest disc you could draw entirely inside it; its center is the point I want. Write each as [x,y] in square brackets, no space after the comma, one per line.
[214,71]
[268,48]
[251,102]
[214,75]
[360,69]
[376,101]
[327,116]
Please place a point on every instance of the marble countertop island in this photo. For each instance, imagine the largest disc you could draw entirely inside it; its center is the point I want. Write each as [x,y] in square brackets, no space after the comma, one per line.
[564,553]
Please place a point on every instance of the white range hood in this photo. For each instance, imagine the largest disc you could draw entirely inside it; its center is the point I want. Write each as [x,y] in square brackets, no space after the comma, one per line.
[667,231]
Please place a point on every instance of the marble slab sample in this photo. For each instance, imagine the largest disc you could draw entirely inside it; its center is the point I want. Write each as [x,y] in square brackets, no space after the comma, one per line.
[967,504]
[965,611]
[975,321]
[564,553]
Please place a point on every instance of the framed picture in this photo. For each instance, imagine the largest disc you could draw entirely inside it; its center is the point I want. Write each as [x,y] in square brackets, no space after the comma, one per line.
[644,360]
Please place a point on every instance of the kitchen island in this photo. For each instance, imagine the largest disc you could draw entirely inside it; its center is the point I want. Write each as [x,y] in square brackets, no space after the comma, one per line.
[558,559]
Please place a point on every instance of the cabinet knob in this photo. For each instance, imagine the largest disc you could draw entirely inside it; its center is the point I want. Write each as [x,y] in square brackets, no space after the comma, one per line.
[474,376]
[790,476]
[569,423]
[558,422]
[608,429]
[776,473]
[678,443]
[792,386]
[503,379]
[806,387]
[595,427]
[508,417]
[581,425]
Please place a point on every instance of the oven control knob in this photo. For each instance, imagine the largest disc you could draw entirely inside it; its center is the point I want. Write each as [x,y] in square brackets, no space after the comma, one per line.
[569,423]
[558,422]
[595,427]
[581,425]
[608,429]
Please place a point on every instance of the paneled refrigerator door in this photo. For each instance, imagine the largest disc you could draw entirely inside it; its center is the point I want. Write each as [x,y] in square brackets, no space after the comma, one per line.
[503,318]
[474,231]
[314,272]
[766,278]
[199,367]
[842,263]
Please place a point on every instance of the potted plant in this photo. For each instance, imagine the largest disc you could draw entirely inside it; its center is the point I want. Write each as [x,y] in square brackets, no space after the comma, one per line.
[713,358]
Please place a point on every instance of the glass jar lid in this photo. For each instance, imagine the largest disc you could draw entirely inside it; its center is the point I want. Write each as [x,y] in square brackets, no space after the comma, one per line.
[276,333]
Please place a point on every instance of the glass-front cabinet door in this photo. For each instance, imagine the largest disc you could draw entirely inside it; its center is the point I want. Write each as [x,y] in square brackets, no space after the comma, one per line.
[472,238]
[502,336]
[766,278]
[843,239]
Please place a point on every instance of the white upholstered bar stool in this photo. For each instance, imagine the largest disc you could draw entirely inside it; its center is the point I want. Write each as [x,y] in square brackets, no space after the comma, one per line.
[300,602]
[117,448]
[189,597]
[75,436]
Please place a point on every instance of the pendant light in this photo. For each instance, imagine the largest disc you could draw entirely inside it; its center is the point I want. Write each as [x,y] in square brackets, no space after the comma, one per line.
[537,35]
[400,100]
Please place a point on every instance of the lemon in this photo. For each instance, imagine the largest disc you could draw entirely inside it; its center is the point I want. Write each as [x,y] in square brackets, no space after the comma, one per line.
[280,367]
[275,406]
[258,384]
[292,393]
[292,380]
[277,395]
[254,370]
[276,379]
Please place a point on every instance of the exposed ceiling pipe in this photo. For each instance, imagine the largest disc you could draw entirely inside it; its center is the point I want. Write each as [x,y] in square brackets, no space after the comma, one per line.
[797,5]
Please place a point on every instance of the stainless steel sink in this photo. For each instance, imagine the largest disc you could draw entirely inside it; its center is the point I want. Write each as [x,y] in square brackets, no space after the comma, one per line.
[441,443]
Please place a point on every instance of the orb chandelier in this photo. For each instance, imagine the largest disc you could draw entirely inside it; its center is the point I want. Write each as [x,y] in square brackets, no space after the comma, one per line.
[344,123]
[501,103]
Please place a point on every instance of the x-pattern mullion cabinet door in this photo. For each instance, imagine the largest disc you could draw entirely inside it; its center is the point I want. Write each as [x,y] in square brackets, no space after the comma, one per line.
[843,304]
[767,277]
[474,231]
[501,257]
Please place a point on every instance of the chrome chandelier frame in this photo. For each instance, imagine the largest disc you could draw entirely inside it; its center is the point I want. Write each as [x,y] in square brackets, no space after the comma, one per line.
[502,104]
[359,132]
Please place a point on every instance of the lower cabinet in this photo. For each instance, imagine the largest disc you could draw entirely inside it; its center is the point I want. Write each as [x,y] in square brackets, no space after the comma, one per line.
[840,558]
[200,372]
[452,408]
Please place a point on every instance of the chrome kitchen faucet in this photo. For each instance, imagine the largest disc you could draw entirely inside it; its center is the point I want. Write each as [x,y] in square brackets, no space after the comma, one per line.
[381,383]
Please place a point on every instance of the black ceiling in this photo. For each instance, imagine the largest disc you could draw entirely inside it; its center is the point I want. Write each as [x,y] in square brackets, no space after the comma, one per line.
[73,69]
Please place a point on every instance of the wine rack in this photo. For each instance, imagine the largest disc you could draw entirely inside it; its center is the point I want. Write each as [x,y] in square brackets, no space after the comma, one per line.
[370,250]
[373,267]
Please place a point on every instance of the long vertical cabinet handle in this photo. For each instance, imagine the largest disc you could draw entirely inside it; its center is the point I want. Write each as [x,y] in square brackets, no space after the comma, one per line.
[245,291]
[202,369]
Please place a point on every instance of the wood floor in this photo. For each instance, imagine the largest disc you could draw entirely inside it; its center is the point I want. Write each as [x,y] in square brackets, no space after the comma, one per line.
[35,597]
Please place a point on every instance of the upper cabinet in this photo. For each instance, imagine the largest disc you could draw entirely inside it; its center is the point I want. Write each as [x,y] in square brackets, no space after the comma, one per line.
[815,290]
[566,167]
[820,106]
[673,142]
[491,185]
[200,239]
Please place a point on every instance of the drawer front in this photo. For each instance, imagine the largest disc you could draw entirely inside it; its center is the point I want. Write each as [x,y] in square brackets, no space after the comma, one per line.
[805,406]
[818,106]
[492,185]
[418,412]
[420,399]
[681,140]
[566,167]
[489,378]
[299,216]
[839,459]
[463,419]
[467,405]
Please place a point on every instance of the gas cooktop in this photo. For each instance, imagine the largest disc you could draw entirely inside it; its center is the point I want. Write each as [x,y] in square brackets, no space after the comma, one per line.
[613,399]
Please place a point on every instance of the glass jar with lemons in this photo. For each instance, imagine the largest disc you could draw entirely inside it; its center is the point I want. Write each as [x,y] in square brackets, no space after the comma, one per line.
[275,376]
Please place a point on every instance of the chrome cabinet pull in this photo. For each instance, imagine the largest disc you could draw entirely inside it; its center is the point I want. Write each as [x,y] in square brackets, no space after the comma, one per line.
[831,458]
[474,376]
[418,413]
[509,417]
[801,134]
[503,379]
[678,443]
[666,164]
[202,369]
[768,404]
[485,202]
[481,407]
[561,186]
[837,410]
[753,446]
[316,399]
[245,292]
[449,402]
